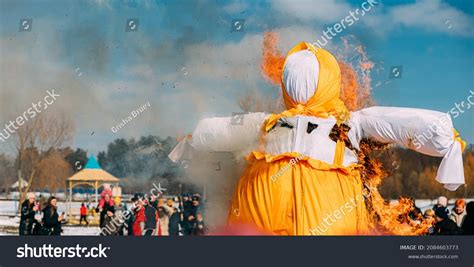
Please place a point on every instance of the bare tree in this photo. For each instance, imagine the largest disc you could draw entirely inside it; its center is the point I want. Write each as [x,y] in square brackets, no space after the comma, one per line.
[52,171]
[35,141]
[7,172]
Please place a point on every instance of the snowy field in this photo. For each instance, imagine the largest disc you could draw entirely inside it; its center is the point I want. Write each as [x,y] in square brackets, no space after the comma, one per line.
[9,226]
[10,207]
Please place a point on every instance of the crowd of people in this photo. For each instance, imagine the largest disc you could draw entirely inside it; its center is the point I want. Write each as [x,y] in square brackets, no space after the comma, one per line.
[149,215]
[183,216]
[458,221]
[145,216]
[152,216]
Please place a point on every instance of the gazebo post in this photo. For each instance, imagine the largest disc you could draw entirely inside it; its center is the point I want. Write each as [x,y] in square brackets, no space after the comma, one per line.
[69,203]
[96,186]
[117,185]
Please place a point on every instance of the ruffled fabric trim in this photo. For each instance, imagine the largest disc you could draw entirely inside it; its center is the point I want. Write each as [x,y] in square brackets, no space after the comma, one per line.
[315,164]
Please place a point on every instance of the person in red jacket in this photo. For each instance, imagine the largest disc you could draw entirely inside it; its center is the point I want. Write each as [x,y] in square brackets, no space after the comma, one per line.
[139,223]
[83,214]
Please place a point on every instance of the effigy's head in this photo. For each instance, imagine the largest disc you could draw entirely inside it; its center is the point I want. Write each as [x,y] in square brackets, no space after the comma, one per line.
[311,78]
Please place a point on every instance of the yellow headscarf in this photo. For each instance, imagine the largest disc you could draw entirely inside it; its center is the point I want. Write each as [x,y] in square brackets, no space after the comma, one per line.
[325,102]
[457,137]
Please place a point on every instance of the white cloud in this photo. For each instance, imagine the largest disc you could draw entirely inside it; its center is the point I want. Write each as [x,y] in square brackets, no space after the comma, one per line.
[102,3]
[235,7]
[432,15]
[290,36]
[428,15]
[323,10]
[140,70]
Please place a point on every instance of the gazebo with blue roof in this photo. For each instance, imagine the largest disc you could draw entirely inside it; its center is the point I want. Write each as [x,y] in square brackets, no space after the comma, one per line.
[92,175]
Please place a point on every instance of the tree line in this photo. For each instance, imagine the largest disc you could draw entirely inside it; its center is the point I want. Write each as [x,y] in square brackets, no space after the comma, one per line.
[412,174]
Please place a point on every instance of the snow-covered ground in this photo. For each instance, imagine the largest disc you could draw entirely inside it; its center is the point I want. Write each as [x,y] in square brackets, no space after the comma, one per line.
[9,226]
[9,221]
[10,207]
[81,230]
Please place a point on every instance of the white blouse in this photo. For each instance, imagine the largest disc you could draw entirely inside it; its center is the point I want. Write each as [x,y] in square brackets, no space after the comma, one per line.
[407,127]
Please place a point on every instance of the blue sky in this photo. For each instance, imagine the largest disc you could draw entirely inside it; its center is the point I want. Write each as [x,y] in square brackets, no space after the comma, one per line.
[185,60]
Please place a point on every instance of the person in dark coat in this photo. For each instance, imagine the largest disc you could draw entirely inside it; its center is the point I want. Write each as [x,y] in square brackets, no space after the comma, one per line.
[27,217]
[103,207]
[150,218]
[200,228]
[190,209]
[51,218]
[130,216]
[187,207]
[112,224]
[174,222]
[468,223]
[189,225]
[444,225]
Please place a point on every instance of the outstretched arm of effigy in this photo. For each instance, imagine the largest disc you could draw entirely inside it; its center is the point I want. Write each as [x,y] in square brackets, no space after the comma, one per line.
[425,131]
[228,134]
[223,134]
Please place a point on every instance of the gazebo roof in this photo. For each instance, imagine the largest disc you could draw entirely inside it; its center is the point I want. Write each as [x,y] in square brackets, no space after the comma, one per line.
[93,172]
[92,163]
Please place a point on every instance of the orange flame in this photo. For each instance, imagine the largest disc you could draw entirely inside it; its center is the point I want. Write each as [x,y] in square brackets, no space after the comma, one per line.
[272,61]
[355,72]
[349,86]
[354,94]
[391,219]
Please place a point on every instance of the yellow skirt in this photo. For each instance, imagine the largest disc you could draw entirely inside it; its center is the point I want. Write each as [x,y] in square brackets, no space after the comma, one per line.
[291,195]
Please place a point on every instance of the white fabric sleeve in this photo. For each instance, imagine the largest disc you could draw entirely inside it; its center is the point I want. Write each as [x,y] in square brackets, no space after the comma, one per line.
[451,170]
[183,150]
[223,134]
[425,131]
[228,133]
